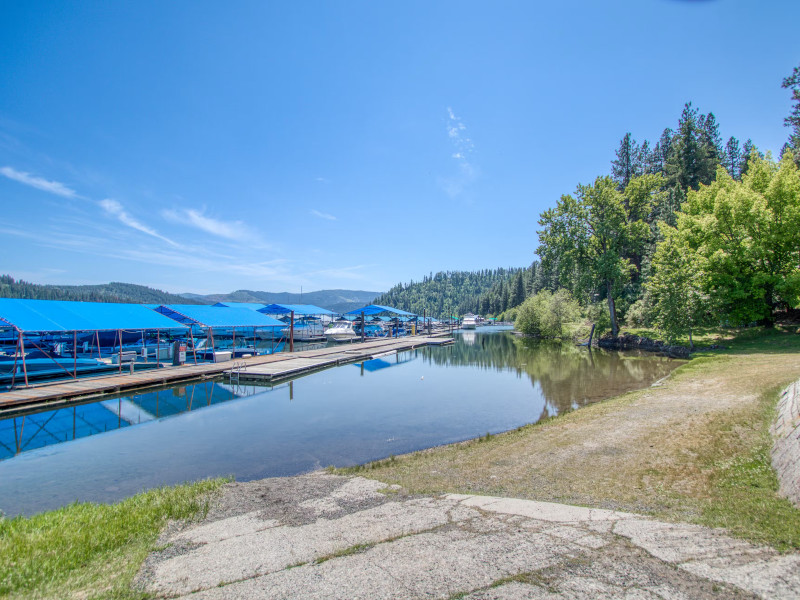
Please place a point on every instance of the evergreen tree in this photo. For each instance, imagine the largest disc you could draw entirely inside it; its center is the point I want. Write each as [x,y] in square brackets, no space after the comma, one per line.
[792,82]
[712,142]
[747,151]
[733,158]
[691,160]
[624,166]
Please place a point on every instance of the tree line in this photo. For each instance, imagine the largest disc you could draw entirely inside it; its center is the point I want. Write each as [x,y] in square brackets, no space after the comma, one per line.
[108,292]
[686,232]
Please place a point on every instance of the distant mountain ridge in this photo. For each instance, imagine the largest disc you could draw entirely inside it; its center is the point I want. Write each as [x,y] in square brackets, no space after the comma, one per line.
[339,301]
[115,291]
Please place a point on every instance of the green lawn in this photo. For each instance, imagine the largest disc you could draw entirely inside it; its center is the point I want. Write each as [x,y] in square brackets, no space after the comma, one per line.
[92,550]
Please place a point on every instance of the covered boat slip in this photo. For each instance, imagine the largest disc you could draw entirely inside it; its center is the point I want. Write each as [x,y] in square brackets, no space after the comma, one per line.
[27,322]
[395,319]
[223,321]
[265,368]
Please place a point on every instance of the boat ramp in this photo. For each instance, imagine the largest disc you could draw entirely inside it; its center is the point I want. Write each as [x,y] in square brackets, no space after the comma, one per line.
[269,368]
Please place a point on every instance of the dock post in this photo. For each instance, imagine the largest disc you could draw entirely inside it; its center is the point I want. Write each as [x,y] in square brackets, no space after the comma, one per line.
[75,353]
[291,332]
[119,356]
[363,327]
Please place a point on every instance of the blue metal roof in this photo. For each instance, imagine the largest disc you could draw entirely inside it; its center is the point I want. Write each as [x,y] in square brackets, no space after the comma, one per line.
[374,309]
[248,305]
[217,316]
[299,309]
[55,315]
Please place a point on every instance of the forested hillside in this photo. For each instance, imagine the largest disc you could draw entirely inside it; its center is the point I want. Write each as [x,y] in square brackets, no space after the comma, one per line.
[451,292]
[684,232]
[107,292]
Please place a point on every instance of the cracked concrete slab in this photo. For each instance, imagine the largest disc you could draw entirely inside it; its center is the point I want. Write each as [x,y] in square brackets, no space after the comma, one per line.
[325,536]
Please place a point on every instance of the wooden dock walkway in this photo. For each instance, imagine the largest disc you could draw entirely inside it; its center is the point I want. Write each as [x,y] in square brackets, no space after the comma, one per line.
[267,368]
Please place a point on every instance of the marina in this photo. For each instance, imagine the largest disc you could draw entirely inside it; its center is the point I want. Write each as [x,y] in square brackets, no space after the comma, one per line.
[304,417]
[272,367]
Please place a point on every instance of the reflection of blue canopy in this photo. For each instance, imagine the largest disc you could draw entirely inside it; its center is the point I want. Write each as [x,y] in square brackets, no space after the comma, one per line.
[298,309]
[56,315]
[217,316]
[374,309]
[374,365]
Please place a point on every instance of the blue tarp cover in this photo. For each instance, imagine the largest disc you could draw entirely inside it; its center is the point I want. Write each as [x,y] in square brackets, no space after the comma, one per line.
[374,309]
[299,309]
[217,316]
[55,315]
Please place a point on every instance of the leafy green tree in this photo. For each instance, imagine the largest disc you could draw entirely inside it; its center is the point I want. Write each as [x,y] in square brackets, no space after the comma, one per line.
[675,298]
[745,237]
[598,231]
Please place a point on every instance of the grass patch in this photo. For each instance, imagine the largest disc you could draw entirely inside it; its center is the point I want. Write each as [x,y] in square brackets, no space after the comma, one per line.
[695,448]
[88,550]
[735,340]
[745,497]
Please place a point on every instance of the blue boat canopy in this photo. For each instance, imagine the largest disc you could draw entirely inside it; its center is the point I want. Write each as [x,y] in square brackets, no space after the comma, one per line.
[217,316]
[374,309]
[56,315]
[299,309]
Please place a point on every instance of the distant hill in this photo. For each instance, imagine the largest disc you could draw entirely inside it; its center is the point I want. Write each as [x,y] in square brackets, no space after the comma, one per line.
[339,301]
[115,291]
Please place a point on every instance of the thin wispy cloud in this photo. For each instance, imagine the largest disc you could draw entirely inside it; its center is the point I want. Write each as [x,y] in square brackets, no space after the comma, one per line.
[322,215]
[52,187]
[114,209]
[463,148]
[322,179]
[229,230]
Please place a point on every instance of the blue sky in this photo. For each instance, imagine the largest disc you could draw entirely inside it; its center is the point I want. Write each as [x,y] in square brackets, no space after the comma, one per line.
[210,146]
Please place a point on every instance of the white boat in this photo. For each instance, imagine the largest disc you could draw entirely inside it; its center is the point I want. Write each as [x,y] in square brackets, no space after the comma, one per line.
[340,332]
[469,321]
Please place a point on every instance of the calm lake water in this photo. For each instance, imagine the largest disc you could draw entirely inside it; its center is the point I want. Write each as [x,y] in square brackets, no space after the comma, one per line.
[488,381]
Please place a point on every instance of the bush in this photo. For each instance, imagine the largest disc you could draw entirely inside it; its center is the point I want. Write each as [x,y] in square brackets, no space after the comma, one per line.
[545,314]
[598,314]
[637,314]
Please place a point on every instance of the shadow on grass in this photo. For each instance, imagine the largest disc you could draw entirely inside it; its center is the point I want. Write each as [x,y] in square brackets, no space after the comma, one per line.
[742,340]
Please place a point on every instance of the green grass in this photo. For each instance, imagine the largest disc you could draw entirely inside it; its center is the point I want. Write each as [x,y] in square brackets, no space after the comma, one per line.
[735,340]
[88,550]
[745,497]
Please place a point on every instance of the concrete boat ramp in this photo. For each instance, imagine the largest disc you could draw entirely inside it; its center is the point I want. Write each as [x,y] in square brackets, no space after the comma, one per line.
[266,368]
[322,536]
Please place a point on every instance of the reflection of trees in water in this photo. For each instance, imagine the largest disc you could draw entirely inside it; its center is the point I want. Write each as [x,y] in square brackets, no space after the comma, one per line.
[568,376]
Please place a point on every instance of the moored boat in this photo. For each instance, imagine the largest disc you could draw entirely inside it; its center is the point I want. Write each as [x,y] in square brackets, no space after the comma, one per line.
[341,331]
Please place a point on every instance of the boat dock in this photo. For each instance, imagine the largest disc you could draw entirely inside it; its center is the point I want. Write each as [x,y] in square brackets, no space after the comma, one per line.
[267,368]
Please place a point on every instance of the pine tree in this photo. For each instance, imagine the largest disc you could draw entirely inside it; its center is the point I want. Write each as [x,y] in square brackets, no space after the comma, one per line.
[792,82]
[689,163]
[624,166]
[747,150]
[733,158]
[711,141]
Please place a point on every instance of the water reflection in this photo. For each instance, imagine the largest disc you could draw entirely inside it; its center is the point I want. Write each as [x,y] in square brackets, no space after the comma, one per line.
[567,376]
[488,381]
[40,428]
